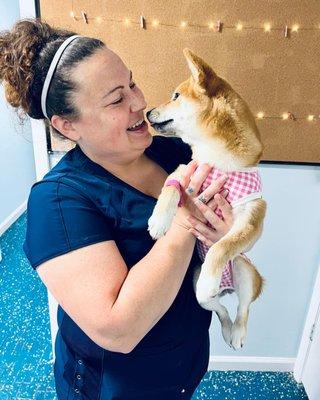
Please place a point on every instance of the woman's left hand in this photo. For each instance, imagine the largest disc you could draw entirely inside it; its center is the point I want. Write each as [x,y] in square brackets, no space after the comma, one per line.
[219,226]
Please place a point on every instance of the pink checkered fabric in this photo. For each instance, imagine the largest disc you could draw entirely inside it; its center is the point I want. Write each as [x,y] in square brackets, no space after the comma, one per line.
[243,186]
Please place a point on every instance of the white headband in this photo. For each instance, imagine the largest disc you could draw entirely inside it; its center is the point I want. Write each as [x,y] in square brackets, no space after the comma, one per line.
[51,70]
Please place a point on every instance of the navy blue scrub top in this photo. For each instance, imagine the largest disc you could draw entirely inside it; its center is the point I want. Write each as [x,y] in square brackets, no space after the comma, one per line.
[79,203]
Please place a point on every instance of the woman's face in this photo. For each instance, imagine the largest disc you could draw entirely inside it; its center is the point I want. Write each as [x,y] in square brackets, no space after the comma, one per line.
[110,103]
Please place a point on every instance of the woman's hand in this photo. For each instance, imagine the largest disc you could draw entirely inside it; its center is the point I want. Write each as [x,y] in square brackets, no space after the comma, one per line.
[196,214]
[219,226]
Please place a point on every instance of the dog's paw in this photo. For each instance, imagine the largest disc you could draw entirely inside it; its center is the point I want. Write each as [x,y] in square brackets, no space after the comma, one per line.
[238,335]
[207,287]
[159,224]
[226,328]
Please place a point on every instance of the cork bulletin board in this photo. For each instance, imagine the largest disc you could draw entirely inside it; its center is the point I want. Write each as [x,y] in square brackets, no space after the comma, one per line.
[276,69]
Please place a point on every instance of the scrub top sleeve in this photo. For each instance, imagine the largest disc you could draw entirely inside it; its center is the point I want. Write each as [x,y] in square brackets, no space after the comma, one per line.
[61,219]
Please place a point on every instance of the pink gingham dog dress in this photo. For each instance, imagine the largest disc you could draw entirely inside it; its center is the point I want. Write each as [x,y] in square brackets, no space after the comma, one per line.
[243,186]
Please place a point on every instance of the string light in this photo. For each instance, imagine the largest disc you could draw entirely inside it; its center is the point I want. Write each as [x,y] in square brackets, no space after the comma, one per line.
[286,116]
[295,28]
[260,115]
[216,27]
[155,23]
[267,27]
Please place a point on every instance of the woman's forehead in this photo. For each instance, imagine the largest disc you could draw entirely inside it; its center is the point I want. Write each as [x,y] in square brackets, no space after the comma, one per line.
[102,70]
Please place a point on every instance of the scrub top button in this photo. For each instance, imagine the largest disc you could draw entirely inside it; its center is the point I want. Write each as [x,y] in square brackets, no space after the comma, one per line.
[78,376]
[77,390]
[183,390]
[80,362]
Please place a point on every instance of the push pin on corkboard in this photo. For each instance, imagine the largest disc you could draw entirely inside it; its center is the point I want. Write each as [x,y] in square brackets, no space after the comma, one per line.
[286,32]
[84,17]
[288,115]
[142,22]
[291,116]
[219,26]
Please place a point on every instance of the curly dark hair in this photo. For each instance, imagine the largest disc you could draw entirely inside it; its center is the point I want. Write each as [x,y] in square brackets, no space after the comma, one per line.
[26,52]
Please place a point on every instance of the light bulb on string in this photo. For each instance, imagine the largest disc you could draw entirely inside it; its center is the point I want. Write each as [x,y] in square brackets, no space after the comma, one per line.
[127,21]
[260,115]
[98,20]
[295,28]
[183,24]
[311,118]
[267,27]
[155,23]
[211,25]
[239,26]
[285,116]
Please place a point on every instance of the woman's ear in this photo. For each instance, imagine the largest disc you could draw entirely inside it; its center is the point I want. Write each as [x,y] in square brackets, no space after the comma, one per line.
[65,127]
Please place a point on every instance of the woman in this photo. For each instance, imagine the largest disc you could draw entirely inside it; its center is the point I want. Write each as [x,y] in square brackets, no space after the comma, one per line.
[129,323]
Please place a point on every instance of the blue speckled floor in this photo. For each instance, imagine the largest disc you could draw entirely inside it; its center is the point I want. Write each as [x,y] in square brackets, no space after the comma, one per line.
[25,346]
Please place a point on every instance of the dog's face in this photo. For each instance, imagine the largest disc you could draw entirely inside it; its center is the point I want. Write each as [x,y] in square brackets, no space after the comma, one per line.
[204,106]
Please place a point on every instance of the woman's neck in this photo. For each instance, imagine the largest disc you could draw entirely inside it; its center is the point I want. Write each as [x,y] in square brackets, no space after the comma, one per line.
[119,167]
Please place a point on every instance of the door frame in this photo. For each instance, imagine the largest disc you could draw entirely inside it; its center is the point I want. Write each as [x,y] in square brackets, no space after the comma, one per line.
[312,316]
[30,9]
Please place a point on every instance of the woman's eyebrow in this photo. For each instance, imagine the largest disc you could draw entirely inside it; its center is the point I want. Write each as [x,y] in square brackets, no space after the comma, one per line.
[118,87]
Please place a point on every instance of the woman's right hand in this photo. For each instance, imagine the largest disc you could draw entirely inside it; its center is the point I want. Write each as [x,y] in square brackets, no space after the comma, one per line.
[191,182]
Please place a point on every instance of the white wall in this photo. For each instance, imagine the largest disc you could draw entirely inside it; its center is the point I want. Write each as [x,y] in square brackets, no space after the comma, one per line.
[288,256]
[17,169]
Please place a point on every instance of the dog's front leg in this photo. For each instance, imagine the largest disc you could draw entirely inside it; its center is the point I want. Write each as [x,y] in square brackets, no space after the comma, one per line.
[246,229]
[166,207]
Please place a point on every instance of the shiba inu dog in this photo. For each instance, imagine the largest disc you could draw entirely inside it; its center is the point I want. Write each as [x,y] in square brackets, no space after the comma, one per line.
[215,121]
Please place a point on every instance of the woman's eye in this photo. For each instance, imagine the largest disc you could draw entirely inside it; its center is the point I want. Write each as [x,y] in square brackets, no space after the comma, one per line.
[118,101]
[175,96]
[132,86]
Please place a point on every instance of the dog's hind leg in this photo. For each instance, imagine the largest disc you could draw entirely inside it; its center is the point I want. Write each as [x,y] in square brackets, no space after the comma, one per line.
[244,232]
[221,311]
[248,285]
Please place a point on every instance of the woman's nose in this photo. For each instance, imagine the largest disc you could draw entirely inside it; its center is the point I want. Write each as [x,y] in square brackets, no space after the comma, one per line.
[138,103]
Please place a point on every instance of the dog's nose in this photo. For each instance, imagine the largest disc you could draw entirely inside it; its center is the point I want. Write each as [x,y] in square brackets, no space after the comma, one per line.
[149,112]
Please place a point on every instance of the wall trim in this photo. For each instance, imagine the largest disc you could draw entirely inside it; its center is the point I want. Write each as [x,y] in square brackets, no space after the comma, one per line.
[13,217]
[234,363]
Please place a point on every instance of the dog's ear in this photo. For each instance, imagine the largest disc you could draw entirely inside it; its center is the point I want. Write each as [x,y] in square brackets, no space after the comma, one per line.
[204,76]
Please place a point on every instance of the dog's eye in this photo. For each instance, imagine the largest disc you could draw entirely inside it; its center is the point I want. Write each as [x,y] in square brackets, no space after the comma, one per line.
[175,96]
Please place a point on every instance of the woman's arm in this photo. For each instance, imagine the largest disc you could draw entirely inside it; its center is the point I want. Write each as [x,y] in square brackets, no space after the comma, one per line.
[113,306]
[152,284]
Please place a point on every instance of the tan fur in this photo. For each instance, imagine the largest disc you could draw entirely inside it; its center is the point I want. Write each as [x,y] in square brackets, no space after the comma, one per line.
[216,122]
